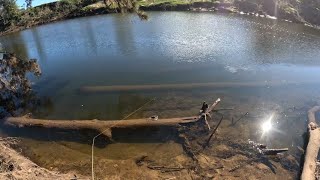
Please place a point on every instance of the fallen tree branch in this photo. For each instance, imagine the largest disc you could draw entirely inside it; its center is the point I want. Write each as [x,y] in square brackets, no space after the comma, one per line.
[273,151]
[309,167]
[213,132]
[104,127]
[235,122]
[208,111]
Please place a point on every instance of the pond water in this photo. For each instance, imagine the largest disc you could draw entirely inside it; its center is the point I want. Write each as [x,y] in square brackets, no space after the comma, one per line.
[174,48]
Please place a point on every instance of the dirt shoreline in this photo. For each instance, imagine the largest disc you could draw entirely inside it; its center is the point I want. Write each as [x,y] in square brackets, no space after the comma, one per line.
[16,166]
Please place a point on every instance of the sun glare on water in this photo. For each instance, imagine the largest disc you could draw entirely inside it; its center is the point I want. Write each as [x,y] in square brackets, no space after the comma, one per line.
[266,126]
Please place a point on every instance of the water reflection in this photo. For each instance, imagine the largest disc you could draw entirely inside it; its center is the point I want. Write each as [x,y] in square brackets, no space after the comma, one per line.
[39,45]
[15,44]
[124,36]
[88,32]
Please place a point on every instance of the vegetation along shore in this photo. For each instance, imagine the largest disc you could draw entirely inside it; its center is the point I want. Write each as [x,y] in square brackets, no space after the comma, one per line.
[14,19]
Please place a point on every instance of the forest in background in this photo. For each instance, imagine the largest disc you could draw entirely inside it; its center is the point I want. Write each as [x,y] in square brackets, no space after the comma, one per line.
[14,19]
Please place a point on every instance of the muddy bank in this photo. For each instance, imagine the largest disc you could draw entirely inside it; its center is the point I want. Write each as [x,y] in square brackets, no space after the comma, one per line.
[16,166]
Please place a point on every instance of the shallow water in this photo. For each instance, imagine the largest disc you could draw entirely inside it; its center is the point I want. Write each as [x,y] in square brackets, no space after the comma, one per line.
[173,47]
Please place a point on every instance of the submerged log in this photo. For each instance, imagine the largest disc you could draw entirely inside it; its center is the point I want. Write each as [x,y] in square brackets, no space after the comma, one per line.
[309,167]
[103,126]
[119,88]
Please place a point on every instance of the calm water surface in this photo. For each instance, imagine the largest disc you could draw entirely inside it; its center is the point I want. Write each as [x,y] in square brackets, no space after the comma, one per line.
[176,47]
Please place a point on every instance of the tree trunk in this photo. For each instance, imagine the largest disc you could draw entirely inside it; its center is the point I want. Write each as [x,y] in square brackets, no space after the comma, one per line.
[309,167]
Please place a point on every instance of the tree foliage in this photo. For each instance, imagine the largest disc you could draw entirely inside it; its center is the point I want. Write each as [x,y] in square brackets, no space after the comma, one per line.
[9,13]
[16,94]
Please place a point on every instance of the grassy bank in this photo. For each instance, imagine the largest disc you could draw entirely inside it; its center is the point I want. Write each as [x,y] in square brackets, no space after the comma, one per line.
[305,11]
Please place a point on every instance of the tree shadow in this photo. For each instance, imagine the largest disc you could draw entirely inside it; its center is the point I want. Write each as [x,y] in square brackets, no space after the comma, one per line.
[267,162]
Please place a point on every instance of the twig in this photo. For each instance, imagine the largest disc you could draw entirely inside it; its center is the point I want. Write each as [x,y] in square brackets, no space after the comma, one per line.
[208,111]
[234,123]
[206,121]
[164,169]
[213,132]
[223,109]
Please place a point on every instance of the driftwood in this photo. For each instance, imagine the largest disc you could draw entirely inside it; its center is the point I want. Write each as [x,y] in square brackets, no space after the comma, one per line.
[309,167]
[273,151]
[208,111]
[213,132]
[118,88]
[104,126]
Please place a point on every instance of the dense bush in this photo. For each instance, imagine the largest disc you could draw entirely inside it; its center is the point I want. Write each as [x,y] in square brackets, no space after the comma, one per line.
[9,13]
[16,94]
